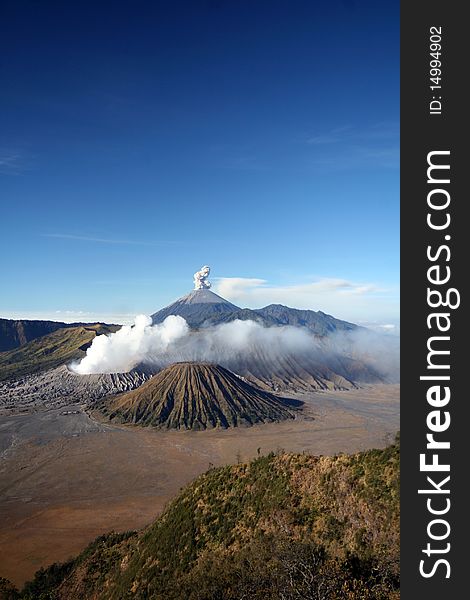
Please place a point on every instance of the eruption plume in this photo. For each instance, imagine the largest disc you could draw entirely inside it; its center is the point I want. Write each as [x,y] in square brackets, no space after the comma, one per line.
[201,279]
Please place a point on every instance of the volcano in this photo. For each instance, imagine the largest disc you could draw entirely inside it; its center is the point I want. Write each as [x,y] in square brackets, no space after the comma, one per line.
[332,360]
[203,308]
[198,307]
[321,368]
[197,396]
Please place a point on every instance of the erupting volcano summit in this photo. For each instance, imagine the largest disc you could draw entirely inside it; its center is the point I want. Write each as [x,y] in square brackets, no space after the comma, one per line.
[200,306]
[201,281]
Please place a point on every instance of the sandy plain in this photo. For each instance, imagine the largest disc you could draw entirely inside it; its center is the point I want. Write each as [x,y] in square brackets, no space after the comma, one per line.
[66,478]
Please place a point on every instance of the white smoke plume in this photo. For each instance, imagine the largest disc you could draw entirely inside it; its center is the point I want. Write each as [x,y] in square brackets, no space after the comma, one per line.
[201,281]
[172,341]
[380,351]
[238,342]
[233,345]
[122,351]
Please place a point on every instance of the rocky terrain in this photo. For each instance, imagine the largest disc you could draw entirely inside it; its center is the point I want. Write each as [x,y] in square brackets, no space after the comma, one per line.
[297,371]
[197,396]
[61,386]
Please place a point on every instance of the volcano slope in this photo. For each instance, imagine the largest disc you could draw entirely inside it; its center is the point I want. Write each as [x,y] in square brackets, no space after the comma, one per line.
[199,307]
[196,396]
[284,526]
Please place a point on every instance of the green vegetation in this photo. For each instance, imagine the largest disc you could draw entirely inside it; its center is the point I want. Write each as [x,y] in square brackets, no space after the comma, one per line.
[7,590]
[52,350]
[15,333]
[281,527]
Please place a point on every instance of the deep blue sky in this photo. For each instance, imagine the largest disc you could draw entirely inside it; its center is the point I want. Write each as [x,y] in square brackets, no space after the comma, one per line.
[140,140]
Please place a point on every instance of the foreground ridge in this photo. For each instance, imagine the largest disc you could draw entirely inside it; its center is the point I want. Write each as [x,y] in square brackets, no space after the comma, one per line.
[283,526]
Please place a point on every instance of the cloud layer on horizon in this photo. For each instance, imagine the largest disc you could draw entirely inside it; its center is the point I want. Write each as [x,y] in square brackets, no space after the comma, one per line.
[363,303]
[340,297]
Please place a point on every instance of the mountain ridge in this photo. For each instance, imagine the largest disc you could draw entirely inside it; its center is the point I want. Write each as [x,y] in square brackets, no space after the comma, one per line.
[15,333]
[204,308]
[58,347]
[18,332]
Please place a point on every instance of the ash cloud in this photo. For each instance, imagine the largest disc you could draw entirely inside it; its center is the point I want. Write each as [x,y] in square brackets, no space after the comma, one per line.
[201,279]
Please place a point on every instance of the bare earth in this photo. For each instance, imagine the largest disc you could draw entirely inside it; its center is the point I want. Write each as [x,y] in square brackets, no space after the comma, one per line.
[66,478]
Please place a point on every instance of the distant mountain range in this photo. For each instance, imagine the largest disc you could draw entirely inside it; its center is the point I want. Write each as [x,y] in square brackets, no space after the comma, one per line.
[61,346]
[15,333]
[203,308]
[200,308]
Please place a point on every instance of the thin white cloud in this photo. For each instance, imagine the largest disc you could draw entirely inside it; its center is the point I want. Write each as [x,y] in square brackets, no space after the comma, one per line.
[70,316]
[10,162]
[244,163]
[100,240]
[385,130]
[357,157]
[238,287]
[123,282]
[350,147]
[340,297]
[332,136]
[251,288]
[387,328]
